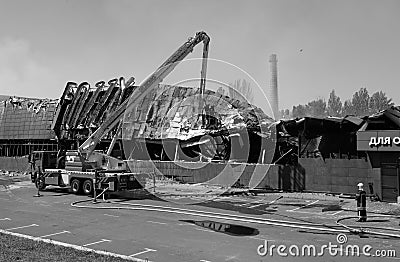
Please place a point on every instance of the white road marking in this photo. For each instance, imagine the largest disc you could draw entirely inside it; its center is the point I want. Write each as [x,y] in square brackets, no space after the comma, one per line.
[297,208]
[62,232]
[240,205]
[205,230]
[155,222]
[33,225]
[205,260]
[250,203]
[257,205]
[111,215]
[97,242]
[336,212]
[139,253]
[6,218]
[76,247]
[303,212]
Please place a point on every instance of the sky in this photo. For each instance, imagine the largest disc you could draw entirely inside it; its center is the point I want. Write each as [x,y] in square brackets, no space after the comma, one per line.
[320,45]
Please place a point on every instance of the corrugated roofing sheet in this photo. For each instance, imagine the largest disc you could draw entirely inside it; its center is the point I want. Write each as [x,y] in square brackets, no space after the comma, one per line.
[171,112]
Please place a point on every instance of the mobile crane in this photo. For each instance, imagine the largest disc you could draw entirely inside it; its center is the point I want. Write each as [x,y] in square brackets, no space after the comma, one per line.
[87,169]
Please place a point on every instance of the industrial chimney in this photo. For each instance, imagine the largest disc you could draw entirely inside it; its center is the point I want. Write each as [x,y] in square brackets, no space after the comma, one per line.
[273,90]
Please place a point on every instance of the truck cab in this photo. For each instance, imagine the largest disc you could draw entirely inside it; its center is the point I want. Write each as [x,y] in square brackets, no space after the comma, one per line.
[40,161]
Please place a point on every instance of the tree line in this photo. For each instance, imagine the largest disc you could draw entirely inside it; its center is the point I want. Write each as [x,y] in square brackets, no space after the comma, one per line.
[360,104]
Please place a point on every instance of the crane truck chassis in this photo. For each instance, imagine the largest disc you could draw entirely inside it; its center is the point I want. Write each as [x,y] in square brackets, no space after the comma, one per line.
[45,173]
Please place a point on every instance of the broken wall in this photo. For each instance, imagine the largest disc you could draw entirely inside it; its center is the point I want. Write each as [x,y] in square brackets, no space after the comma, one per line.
[266,176]
[339,175]
[14,164]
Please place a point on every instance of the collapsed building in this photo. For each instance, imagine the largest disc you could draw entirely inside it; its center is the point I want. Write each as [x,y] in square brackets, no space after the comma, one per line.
[335,154]
[223,140]
[167,125]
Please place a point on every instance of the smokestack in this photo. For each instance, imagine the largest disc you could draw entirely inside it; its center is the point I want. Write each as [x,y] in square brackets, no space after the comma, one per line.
[273,90]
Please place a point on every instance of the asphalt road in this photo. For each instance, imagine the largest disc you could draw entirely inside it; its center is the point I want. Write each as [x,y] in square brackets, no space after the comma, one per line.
[226,229]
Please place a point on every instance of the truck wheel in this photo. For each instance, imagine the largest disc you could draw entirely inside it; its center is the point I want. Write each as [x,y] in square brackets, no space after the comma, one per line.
[39,183]
[76,186]
[87,187]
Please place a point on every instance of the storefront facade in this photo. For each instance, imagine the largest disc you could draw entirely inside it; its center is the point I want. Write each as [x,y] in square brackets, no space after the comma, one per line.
[383,149]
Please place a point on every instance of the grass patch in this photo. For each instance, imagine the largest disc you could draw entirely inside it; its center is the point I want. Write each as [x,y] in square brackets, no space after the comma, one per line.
[13,248]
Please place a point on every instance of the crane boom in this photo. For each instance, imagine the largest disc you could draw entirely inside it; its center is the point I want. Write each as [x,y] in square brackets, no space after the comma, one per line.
[145,88]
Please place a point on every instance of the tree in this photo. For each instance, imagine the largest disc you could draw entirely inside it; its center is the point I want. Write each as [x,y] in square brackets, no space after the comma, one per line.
[334,105]
[241,90]
[360,102]
[317,108]
[347,108]
[287,113]
[284,114]
[378,102]
[299,111]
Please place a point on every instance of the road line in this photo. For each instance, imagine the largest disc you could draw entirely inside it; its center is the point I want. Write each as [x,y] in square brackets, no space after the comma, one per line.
[6,218]
[205,230]
[241,205]
[62,232]
[297,208]
[97,242]
[155,222]
[76,247]
[257,205]
[111,215]
[205,260]
[336,212]
[33,225]
[139,253]
[303,212]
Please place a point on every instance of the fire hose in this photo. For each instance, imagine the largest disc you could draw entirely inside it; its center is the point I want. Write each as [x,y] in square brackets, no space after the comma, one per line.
[365,230]
[239,218]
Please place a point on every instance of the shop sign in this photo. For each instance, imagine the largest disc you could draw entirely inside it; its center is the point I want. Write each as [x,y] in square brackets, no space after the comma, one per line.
[382,140]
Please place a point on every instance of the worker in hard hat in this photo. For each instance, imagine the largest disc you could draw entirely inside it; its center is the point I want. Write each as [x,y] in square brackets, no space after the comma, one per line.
[361,198]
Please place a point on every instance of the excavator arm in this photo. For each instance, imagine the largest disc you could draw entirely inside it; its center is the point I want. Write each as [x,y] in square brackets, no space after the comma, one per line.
[145,88]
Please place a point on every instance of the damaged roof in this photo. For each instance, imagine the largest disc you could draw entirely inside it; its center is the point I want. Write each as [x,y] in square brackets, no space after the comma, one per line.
[173,112]
[312,127]
[27,118]
[167,112]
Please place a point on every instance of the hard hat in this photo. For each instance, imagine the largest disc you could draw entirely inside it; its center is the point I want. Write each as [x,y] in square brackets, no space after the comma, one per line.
[360,184]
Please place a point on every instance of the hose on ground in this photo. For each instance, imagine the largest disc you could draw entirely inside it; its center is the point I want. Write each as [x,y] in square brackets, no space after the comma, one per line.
[365,230]
[337,228]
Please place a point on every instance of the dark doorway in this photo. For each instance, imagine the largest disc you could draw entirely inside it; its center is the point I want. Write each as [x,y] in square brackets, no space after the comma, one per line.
[390,182]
